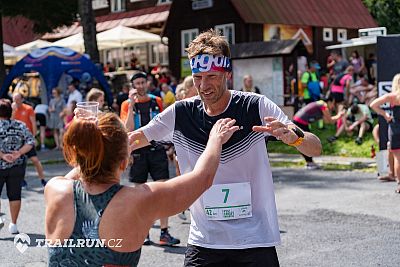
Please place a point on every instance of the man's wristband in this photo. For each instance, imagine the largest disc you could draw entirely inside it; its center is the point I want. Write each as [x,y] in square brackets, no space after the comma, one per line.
[300,135]
[298,142]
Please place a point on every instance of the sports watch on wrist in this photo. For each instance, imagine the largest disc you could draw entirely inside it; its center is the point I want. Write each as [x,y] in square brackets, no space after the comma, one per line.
[300,135]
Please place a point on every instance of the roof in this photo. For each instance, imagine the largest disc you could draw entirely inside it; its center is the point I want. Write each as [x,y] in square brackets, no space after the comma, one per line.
[361,41]
[264,49]
[350,14]
[18,30]
[133,18]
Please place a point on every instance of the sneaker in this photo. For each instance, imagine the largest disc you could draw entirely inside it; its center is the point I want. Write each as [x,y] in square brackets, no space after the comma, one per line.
[43,148]
[24,184]
[43,181]
[359,141]
[147,241]
[1,223]
[182,216]
[167,240]
[312,166]
[332,139]
[12,228]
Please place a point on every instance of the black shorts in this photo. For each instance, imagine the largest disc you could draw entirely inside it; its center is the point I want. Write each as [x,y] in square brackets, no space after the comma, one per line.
[41,118]
[338,97]
[12,177]
[394,135]
[151,160]
[351,119]
[371,126]
[250,257]
[31,153]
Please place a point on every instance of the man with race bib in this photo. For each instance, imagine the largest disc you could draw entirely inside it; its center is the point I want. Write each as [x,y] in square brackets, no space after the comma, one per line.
[234,223]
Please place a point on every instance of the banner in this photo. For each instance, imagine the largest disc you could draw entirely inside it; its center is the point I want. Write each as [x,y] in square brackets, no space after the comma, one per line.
[286,32]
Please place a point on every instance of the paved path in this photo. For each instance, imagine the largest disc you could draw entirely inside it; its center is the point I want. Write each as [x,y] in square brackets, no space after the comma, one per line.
[56,156]
[326,218]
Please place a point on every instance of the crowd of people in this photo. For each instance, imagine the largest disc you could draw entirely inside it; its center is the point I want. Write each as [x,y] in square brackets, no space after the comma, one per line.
[348,89]
[344,88]
[208,131]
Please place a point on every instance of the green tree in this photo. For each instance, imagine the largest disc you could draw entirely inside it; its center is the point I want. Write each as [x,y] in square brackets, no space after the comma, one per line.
[88,23]
[45,14]
[386,13]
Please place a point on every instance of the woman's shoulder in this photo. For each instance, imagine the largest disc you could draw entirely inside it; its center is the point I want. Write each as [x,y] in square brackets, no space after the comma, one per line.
[131,192]
[59,187]
[140,195]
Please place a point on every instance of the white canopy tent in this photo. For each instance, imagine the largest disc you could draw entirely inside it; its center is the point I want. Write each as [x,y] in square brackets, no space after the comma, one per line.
[28,47]
[75,42]
[125,36]
[11,56]
[118,37]
[122,37]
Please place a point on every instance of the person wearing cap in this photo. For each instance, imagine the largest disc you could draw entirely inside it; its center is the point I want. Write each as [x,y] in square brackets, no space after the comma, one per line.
[357,119]
[234,223]
[137,111]
[310,83]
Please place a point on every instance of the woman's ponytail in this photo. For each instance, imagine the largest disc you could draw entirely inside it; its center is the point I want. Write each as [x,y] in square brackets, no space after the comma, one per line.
[84,147]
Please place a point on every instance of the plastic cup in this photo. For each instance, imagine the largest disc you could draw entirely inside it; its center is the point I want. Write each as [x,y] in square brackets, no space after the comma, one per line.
[87,110]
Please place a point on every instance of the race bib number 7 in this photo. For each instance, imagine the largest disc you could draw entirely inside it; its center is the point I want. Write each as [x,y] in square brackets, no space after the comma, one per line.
[228,201]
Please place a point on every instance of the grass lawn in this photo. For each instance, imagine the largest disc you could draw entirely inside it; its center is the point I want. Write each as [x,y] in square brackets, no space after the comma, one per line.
[344,146]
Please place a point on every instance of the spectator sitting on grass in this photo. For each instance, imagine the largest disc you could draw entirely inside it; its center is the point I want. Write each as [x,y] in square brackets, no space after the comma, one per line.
[358,118]
[363,91]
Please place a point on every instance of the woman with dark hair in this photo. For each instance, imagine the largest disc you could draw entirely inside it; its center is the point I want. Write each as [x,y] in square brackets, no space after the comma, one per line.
[358,64]
[94,206]
[340,88]
[15,141]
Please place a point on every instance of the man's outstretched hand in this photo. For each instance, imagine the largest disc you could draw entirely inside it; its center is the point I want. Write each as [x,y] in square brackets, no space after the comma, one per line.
[278,129]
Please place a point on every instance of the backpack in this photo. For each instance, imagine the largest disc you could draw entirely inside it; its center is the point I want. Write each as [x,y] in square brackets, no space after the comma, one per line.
[314,89]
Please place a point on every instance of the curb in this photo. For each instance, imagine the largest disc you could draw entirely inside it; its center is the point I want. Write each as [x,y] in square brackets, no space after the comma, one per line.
[350,163]
[277,158]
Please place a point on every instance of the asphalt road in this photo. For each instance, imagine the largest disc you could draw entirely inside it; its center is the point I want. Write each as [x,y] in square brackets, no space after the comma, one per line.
[326,219]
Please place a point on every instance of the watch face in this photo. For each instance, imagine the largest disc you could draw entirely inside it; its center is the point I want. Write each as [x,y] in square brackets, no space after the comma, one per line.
[298,132]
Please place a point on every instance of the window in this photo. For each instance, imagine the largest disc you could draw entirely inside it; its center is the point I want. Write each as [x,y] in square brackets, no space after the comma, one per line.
[98,4]
[327,35]
[186,37]
[227,30]
[341,35]
[117,5]
[161,2]
[158,54]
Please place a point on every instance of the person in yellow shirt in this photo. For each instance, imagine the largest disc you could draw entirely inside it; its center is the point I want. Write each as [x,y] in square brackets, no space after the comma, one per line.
[167,96]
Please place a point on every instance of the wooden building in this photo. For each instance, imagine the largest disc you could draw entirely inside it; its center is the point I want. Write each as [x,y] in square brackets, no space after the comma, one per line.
[318,23]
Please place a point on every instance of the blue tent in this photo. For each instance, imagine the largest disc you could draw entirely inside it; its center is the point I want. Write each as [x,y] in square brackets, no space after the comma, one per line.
[51,62]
